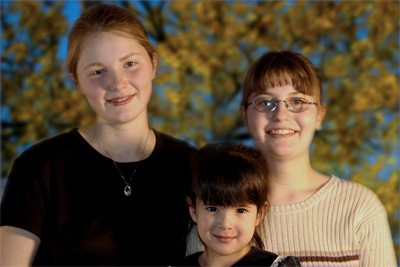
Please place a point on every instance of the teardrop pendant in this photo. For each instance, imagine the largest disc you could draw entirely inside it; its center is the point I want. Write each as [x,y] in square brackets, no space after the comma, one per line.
[127,191]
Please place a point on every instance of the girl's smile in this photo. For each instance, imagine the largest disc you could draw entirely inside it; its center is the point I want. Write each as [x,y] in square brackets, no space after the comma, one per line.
[278,133]
[121,100]
[282,133]
[224,239]
[115,73]
[225,231]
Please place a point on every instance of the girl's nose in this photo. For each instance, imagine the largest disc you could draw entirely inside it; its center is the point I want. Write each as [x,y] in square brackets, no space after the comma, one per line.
[117,81]
[225,220]
[281,112]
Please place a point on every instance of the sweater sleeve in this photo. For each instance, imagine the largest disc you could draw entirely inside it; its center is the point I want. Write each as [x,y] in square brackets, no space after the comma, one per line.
[374,236]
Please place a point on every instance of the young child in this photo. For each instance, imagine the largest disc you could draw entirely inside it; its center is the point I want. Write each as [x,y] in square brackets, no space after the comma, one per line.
[227,202]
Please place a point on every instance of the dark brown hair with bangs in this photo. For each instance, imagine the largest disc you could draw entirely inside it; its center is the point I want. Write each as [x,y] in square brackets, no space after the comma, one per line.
[280,68]
[229,174]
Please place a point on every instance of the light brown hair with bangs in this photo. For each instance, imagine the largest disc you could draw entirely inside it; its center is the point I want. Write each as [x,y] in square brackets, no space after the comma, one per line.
[280,68]
[105,18]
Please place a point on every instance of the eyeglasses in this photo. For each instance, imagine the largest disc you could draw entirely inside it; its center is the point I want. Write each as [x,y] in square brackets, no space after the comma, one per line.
[268,104]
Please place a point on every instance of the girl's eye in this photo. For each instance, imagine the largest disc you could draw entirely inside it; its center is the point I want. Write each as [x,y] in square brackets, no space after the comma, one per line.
[98,72]
[297,101]
[267,103]
[212,209]
[130,64]
[241,210]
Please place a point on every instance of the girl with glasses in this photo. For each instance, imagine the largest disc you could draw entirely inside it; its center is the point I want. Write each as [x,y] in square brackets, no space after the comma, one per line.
[323,220]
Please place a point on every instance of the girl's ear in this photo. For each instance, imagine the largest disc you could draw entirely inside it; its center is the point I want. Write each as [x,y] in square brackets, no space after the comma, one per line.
[192,209]
[261,213]
[155,65]
[74,80]
[243,112]
[321,116]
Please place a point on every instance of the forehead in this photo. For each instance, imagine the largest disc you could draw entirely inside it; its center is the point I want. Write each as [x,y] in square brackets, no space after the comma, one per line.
[279,91]
[105,45]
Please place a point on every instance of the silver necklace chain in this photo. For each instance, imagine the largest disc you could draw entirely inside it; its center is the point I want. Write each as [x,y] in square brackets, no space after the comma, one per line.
[127,188]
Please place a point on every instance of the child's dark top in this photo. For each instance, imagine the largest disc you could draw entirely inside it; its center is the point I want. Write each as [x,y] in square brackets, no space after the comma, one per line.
[255,257]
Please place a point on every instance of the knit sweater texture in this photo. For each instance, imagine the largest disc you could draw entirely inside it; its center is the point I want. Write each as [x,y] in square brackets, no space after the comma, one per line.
[342,224]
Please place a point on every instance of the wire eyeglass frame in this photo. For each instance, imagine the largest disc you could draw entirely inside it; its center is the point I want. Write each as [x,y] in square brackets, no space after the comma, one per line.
[290,104]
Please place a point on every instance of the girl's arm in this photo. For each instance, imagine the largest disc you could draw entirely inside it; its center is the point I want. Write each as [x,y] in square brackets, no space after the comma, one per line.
[18,247]
[376,244]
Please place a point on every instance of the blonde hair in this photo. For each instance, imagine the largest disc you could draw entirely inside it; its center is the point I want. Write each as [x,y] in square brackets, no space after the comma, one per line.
[280,68]
[105,18]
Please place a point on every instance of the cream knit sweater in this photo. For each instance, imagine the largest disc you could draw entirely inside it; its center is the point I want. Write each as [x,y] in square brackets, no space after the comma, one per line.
[343,224]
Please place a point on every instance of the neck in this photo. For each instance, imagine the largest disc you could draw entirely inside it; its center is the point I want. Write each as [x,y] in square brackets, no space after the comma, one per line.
[123,143]
[292,180]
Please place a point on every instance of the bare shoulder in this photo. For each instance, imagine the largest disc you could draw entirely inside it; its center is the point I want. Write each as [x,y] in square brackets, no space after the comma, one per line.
[17,246]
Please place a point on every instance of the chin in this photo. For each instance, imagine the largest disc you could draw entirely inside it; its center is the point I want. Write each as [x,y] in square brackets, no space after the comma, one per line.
[225,251]
[278,153]
[126,118]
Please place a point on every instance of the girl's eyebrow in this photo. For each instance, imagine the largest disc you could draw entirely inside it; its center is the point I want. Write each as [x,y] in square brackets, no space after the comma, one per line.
[269,94]
[94,64]
[128,56]
[99,64]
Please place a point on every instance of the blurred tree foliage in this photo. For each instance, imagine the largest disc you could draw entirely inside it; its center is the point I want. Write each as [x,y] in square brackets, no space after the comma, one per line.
[205,49]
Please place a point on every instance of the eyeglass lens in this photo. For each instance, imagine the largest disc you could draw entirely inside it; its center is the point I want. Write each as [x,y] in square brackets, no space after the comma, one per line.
[294,104]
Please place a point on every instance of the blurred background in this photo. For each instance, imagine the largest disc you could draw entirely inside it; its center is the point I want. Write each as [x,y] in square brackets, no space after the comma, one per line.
[205,48]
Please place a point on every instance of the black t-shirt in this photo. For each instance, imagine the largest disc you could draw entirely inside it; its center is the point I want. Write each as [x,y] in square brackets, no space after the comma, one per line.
[72,198]
[255,257]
